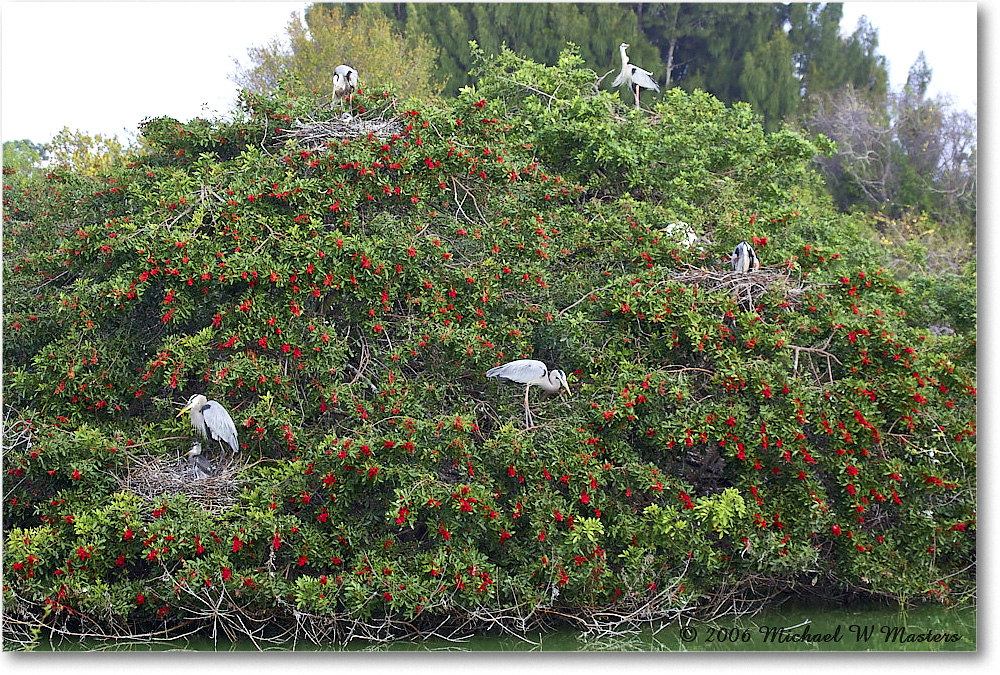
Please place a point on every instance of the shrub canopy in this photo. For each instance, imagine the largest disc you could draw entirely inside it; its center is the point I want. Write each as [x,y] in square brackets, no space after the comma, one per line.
[343,299]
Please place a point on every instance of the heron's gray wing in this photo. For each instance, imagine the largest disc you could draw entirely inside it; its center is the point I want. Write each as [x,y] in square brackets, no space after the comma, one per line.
[220,424]
[523,370]
[644,79]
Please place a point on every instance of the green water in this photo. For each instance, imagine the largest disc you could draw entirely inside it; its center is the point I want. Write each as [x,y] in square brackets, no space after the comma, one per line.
[789,628]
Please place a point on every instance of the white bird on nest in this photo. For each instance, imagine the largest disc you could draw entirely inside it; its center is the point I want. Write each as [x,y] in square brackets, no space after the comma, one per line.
[634,77]
[744,258]
[345,81]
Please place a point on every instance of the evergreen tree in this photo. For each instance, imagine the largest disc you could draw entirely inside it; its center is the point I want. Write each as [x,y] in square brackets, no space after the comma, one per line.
[768,80]
[538,31]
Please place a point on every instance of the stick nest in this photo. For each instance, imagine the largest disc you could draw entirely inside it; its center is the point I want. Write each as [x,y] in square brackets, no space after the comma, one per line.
[313,133]
[757,282]
[152,477]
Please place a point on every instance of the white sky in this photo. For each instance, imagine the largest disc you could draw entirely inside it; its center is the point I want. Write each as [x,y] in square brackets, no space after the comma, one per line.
[102,67]
[945,31]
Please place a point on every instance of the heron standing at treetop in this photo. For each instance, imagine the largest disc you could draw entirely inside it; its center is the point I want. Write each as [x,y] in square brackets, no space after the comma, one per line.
[634,76]
[211,421]
[345,81]
[530,372]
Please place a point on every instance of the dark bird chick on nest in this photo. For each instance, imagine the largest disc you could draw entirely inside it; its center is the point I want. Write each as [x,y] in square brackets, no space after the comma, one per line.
[199,463]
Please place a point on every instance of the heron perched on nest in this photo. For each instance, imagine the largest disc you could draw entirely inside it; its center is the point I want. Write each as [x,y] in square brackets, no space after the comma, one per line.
[530,372]
[634,77]
[345,81]
[212,422]
[744,259]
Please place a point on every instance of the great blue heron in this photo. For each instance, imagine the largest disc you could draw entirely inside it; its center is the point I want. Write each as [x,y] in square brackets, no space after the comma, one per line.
[634,77]
[212,421]
[199,463]
[530,372]
[744,259]
[345,81]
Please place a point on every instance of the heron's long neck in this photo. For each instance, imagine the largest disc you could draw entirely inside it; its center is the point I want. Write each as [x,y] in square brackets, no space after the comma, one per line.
[548,385]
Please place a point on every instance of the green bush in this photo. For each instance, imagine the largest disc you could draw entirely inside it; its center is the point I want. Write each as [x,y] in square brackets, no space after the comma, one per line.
[343,299]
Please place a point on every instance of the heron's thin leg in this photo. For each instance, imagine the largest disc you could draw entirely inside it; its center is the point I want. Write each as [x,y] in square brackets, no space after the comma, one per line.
[527,411]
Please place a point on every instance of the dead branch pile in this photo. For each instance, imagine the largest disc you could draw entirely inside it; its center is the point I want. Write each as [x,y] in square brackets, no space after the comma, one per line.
[16,431]
[152,477]
[216,613]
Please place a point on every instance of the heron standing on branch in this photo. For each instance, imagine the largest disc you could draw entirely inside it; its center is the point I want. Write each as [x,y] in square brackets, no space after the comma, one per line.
[634,77]
[211,421]
[530,372]
[345,81]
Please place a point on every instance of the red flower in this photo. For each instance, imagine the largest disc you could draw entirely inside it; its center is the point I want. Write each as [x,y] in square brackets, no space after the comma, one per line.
[226,573]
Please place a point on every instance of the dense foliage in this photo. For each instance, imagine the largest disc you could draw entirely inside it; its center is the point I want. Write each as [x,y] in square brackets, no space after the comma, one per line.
[344,299]
[900,154]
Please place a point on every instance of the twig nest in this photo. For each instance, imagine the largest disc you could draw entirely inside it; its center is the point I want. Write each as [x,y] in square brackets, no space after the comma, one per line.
[314,133]
[152,477]
[758,281]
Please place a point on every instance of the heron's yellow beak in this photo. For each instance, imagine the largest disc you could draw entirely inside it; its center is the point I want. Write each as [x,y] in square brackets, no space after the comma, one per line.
[566,385]
[184,410]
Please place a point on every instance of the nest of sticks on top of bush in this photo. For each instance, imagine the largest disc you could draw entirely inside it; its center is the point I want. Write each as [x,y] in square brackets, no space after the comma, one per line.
[332,123]
[750,285]
[152,477]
